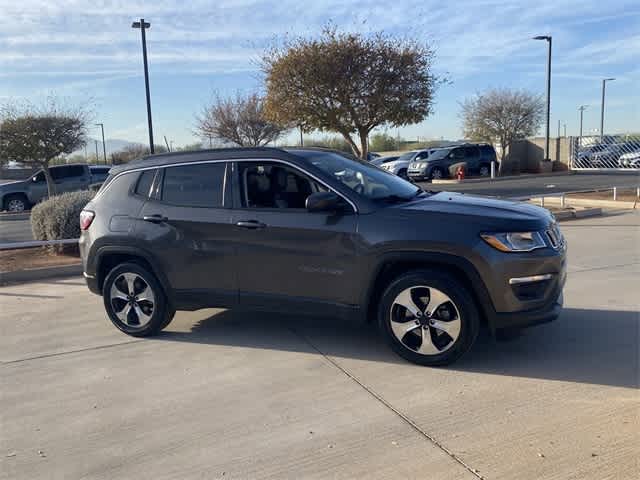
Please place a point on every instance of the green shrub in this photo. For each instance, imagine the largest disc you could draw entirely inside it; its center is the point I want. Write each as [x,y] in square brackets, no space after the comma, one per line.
[453,169]
[58,217]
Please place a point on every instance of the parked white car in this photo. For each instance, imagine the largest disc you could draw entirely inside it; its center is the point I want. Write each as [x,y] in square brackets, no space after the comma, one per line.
[630,159]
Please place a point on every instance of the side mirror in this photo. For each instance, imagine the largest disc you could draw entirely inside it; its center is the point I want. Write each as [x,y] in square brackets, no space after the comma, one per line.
[323,202]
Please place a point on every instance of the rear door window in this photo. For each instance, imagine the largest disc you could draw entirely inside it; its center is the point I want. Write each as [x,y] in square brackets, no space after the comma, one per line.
[145,182]
[200,185]
[70,171]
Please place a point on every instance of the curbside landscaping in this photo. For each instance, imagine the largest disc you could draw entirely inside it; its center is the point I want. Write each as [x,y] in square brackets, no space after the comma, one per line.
[35,274]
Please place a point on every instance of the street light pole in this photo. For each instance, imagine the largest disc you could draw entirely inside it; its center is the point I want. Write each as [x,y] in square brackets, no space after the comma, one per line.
[604,83]
[104,145]
[97,158]
[546,141]
[142,25]
[582,109]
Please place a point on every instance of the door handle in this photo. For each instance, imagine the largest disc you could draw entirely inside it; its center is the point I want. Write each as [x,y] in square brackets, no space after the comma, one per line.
[251,224]
[155,218]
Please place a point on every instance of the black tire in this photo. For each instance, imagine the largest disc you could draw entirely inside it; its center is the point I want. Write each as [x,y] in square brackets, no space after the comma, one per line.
[467,315]
[437,173]
[16,199]
[484,170]
[160,314]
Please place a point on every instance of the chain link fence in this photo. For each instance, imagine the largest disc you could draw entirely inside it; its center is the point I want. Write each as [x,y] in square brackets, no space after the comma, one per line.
[610,152]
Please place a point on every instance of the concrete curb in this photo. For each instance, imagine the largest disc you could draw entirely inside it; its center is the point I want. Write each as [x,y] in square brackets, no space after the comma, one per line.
[573,214]
[499,179]
[35,274]
[14,216]
[587,202]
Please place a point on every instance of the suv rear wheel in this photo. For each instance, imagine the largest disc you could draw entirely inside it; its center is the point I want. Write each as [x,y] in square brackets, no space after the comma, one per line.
[485,170]
[135,301]
[428,318]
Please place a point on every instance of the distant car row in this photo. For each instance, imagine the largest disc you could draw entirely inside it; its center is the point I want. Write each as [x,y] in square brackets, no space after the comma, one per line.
[609,155]
[23,194]
[434,163]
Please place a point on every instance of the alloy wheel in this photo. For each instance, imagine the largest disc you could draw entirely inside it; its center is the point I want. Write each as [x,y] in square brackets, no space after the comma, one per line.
[484,171]
[15,205]
[436,174]
[425,320]
[132,299]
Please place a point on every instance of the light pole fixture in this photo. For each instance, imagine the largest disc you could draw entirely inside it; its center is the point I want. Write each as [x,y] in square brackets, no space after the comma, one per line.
[142,25]
[582,108]
[104,145]
[546,142]
[604,83]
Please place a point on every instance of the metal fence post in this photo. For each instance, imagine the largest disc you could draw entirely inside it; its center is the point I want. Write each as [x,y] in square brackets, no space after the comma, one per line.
[562,200]
[615,193]
[493,170]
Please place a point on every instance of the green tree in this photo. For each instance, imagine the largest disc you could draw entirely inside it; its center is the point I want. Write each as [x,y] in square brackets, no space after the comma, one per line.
[502,116]
[383,142]
[35,135]
[349,84]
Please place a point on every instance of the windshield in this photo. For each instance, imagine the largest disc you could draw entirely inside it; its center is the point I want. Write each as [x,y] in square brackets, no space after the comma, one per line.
[405,157]
[361,177]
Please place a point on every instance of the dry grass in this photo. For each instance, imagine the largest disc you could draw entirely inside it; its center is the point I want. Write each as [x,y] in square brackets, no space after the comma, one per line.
[23,259]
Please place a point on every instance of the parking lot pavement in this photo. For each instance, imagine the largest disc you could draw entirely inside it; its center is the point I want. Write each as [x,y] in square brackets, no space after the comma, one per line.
[525,186]
[239,395]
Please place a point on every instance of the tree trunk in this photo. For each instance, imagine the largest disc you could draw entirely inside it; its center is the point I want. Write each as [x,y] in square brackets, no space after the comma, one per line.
[503,156]
[51,187]
[352,144]
[364,144]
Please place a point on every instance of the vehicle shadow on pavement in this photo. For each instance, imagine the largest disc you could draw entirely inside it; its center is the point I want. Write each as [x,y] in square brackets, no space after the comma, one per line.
[584,346]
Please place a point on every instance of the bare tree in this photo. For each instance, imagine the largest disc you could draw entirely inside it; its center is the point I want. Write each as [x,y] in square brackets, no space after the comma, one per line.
[133,152]
[238,120]
[502,116]
[349,84]
[35,135]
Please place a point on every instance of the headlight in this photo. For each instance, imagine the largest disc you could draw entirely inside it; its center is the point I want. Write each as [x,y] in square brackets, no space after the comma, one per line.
[514,241]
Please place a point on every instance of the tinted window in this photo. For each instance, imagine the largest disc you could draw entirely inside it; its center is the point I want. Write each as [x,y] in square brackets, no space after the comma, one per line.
[472,152]
[99,170]
[59,173]
[194,185]
[458,154]
[144,183]
[486,150]
[40,177]
[273,185]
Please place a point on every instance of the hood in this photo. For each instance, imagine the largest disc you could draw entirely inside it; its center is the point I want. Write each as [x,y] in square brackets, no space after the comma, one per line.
[493,212]
[11,184]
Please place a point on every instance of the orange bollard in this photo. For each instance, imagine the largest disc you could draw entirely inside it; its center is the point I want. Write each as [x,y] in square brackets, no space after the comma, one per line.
[460,173]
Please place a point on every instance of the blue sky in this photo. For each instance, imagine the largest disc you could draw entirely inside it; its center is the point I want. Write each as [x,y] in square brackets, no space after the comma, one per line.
[87,49]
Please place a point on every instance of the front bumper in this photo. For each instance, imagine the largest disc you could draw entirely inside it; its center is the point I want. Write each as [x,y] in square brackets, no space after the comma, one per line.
[528,318]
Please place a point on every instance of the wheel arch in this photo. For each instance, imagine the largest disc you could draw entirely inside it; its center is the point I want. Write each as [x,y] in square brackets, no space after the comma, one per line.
[110,256]
[393,265]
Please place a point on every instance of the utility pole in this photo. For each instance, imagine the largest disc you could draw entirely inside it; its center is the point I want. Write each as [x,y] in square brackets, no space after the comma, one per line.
[546,142]
[604,84]
[97,158]
[142,25]
[558,128]
[104,146]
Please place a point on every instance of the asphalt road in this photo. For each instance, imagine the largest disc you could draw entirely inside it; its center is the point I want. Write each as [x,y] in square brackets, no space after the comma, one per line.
[20,230]
[225,395]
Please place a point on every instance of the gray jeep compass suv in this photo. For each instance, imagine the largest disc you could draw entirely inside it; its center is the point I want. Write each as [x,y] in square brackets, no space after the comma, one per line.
[314,232]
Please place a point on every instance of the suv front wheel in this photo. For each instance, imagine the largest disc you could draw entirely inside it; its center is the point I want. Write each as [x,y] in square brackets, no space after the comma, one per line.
[135,301]
[428,318]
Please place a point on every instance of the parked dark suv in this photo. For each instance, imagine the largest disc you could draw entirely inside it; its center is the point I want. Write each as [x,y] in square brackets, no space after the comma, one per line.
[314,232]
[477,156]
